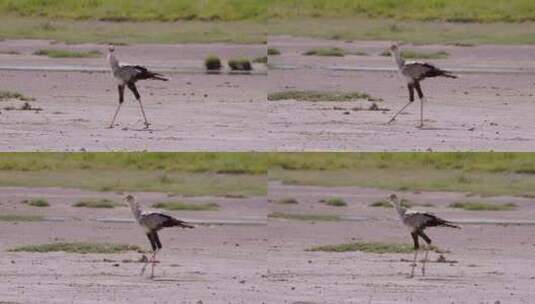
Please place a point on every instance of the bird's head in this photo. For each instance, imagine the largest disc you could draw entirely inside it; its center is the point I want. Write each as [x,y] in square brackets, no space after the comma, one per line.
[111,48]
[394,47]
[130,199]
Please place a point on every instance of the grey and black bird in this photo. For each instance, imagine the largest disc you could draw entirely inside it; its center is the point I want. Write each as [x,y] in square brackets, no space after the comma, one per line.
[415,73]
[152,222]
[417,222]
[127,76]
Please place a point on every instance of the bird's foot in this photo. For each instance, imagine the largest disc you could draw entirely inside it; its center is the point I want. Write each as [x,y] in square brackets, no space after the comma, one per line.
[110,127]
[420,126]
[391,121]
[147,125]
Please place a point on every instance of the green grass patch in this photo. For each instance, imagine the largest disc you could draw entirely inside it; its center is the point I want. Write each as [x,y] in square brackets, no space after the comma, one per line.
[96,203]
[411,54]
[422,10]
[128,180]
[131,32]
[172,205]
[213,63]
[122,11]
[334,201]
[406,31]
[39,202]
[305,217]
[52,53]
[240,64]
[287,201]
[262,59]
[7,95]
[202,162]
[273,52]
[481,206]
[404,203]
[332,52]
[78,247]
[20,218]
[10,52]
[316,96]
[368,247]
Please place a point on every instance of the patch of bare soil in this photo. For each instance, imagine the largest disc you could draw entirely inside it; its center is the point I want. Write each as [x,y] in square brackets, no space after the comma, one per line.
[208,264]
[482,263]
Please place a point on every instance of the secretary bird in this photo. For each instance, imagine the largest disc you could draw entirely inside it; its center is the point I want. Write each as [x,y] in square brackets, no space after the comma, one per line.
[417,222]
[152,222]
[414,73]
[128,75]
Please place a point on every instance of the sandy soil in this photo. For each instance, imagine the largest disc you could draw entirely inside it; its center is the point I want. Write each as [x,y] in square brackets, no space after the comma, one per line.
[480,111]
[486,263]
[265,264]
[191,112]
[209,264]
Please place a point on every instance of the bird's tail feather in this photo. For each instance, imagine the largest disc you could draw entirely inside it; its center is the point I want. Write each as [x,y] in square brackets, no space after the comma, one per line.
[183,224]
[159,77]
[450,224]
[448,75]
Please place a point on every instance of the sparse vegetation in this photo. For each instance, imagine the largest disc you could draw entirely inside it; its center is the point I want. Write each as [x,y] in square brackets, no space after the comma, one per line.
[240,64]
[171,205]
[262,59]
[422,10]
[39,202]
[273,52]
[334,201]
[404,203]
[122,11]
[481,206]
[96,203]
[212,63]
[333,51]
[20,218]
[78,247]
[7,95]
[411,54]
[52,53]
[11,52]
[369,247]
[316,96]
[287,201]
[305,217]
[488,174]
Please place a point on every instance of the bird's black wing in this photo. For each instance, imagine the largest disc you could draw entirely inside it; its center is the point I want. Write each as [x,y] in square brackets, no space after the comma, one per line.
[160,220]
[433,221]
[433,71]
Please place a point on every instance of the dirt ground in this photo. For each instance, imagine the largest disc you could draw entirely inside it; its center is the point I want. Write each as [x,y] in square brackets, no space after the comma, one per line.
[208,264]
[192,112]
[488,108]
[485,263]
[265,263]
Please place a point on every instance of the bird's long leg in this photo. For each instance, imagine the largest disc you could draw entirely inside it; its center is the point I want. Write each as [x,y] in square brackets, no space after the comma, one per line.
[411,100]
[121,99]
[421,96]
[133,88]
[413,265]
[427,247]
[153,263]
[416,247]
[425,259]
[154,246]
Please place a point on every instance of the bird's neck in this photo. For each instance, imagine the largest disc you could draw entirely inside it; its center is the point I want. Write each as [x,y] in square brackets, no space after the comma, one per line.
[400,210]
[114,63]
[397,58]
[136,210]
